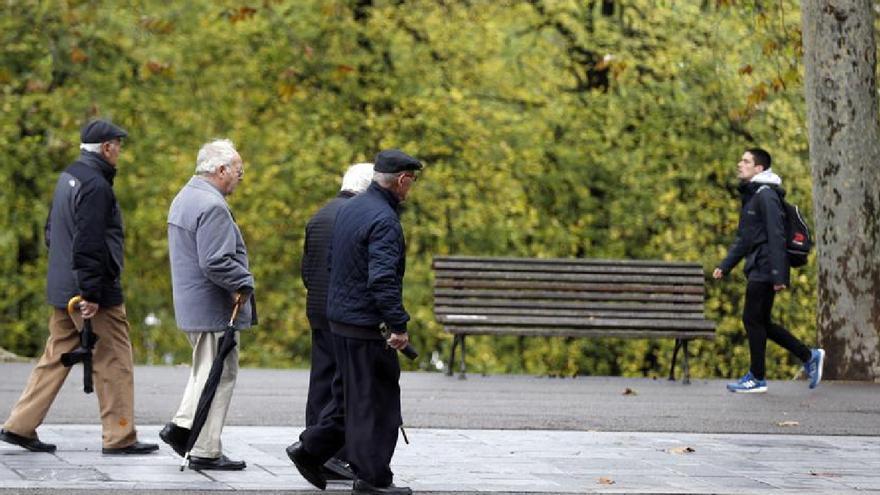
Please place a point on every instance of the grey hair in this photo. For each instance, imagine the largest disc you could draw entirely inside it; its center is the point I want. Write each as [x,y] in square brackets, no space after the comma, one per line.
[215,154]
[386,179]
[90,147]
[357,178]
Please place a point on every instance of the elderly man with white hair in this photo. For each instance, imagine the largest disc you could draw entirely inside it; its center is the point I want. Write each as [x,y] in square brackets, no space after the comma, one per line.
[316,277]
[209,272]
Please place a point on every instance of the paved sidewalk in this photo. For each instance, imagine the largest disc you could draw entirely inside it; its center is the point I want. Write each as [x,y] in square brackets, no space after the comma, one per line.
[475,461]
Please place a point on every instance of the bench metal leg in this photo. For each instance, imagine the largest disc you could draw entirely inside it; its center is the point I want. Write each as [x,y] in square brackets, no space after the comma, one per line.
[452,355]
[686,369]
[461,375]
[674,358]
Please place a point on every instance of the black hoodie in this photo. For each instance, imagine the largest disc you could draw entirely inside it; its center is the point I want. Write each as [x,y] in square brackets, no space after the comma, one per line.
[760,237]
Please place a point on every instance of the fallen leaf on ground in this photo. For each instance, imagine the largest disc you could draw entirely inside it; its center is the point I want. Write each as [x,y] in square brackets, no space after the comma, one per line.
[605,481]
[824,475]
[629,391]
[788,423]
[681,450]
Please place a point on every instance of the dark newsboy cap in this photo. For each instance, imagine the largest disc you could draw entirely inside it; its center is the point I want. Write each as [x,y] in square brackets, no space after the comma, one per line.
[393,161]
[99,131]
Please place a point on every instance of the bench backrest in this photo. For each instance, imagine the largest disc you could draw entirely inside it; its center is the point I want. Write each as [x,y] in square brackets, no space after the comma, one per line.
[572,297]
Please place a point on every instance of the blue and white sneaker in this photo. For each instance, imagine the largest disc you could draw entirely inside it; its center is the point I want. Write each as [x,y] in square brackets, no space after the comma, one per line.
[748,385]
[813,367]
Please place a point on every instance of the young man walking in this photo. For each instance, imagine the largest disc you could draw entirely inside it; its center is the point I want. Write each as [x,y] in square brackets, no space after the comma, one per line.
[760,240]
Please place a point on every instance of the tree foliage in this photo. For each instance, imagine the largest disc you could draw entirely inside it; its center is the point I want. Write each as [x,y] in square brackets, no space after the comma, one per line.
[604,129]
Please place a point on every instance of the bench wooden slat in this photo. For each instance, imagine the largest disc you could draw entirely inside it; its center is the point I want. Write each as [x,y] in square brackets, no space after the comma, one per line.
[572,295]
[594,333]
[690,270]
[559,304]
[573,277]
[564,261]
[575,322]
[597,287]
[580,313]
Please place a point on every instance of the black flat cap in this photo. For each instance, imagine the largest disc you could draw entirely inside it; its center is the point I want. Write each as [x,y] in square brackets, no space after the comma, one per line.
[394,161]
[99,131]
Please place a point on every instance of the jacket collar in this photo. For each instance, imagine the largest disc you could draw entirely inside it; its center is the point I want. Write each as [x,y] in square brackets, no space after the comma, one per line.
[346,194]
[386,194]
[97,162]
[203,184]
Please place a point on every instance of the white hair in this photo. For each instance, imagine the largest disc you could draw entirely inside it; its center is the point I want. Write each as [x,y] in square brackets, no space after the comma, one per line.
[357,178]
[90,147]
[215,154]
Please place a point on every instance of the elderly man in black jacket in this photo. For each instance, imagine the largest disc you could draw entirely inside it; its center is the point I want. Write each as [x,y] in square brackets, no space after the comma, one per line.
[366,288]
[761,241]
[84,235]
[316,278]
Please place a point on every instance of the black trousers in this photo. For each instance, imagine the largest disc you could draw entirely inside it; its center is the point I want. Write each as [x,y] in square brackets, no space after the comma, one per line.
[321,375]
[365,412]
[756,319]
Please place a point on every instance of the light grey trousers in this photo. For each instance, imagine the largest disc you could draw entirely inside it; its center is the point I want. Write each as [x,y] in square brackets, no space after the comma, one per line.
[205,346]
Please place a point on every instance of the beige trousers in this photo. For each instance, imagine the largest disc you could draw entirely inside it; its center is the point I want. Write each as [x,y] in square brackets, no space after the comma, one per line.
[205,346]
[113,376]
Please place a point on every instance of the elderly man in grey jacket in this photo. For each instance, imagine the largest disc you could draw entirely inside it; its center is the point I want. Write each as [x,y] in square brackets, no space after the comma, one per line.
[209,272]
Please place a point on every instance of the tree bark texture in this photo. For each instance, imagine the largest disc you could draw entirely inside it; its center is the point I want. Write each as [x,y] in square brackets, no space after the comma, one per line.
[842,110]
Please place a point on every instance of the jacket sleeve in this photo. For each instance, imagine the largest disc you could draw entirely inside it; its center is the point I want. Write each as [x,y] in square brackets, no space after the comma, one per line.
[771,210]
[216,247]
[305,265]
[384,283]
[90,256]
[737,250]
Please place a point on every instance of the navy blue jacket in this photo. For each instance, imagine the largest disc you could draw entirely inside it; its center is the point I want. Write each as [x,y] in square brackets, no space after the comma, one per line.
[760,237]
[315,260]
[85,235]
[367,262]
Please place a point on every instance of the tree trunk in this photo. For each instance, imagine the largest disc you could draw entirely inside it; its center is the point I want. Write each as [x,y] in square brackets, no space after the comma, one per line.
[841,96]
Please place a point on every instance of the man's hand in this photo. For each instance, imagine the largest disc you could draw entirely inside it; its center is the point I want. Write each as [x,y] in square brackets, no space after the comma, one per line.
[717,274]
[88,309]
[779,287]
[398,340]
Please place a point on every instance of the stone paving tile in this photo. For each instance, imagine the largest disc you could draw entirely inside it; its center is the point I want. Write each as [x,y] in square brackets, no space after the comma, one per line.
[481,461]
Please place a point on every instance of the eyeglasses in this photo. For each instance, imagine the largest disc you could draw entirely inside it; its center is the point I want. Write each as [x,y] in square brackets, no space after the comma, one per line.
[414,177]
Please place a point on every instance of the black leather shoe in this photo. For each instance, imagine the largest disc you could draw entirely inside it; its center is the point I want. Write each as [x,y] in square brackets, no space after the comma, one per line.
[133,449]
[337,469]
[361,487]
[32,444]
[221,463]
[308,467]
[176,437]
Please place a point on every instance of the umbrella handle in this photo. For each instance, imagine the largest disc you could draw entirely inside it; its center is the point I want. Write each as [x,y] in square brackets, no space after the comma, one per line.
[235,308]
[73,303]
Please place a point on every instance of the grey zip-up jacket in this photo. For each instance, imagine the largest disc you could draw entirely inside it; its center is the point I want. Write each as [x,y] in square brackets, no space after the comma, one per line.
[209,260]
[85,235]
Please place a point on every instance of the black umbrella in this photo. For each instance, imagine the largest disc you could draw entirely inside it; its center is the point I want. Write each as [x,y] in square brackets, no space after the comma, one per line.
[83,353]
[227,343]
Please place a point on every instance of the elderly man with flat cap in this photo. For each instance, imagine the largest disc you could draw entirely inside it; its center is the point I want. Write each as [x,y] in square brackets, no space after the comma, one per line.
[367,261]
[84,235]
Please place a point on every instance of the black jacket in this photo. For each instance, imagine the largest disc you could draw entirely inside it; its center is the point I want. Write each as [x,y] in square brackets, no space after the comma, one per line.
[315,260]
[760,237]
[85,235]
[367,262]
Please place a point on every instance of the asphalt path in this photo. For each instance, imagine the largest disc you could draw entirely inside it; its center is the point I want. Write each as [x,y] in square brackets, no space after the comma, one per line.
[271,397]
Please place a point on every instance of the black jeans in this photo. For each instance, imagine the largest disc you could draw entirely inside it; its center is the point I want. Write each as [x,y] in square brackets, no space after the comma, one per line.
[756,319]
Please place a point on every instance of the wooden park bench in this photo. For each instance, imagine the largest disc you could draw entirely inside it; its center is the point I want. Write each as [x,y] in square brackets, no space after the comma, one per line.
[570,298]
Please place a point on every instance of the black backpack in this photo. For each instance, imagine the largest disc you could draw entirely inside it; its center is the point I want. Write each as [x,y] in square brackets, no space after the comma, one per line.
[798,242]
[797,235]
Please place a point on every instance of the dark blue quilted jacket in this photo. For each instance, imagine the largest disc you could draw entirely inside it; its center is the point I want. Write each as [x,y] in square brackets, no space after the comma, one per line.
[367,262]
